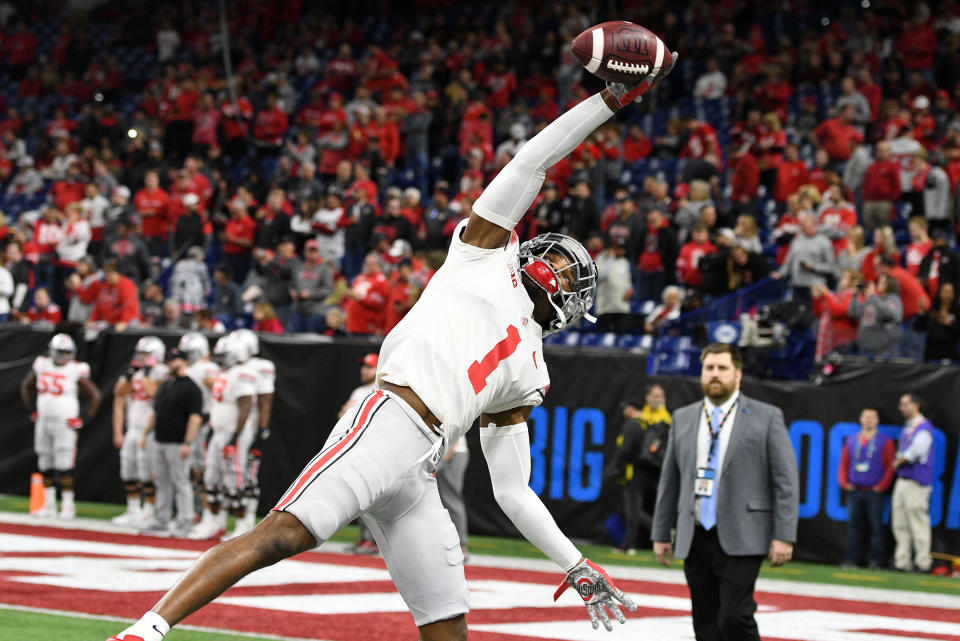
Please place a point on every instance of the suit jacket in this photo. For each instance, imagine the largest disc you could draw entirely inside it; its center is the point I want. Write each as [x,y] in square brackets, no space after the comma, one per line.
[757,496]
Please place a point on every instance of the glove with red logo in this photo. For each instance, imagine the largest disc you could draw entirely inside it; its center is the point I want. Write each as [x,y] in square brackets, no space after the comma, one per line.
[33,416]
[75,423]
[230,449]
[598,592]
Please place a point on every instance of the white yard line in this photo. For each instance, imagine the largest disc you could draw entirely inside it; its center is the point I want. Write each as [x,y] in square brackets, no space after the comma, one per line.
[105,617]
[657,575]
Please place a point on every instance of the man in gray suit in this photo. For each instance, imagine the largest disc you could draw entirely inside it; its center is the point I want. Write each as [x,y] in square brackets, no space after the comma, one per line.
[729,486]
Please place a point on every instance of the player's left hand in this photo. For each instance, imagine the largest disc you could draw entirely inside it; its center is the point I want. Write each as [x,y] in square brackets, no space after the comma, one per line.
[75,423]
[598,592]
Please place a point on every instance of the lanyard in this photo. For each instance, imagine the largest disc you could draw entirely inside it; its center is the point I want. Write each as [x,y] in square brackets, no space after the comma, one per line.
[870,447]
[715,433]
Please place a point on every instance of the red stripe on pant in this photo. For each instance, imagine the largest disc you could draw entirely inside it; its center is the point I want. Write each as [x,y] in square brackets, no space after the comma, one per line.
[311,472]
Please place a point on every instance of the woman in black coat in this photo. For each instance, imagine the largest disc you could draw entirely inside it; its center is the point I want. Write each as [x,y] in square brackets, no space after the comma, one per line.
[942,324]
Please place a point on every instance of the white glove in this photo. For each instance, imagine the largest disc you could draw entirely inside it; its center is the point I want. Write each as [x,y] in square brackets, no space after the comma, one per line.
[598,592]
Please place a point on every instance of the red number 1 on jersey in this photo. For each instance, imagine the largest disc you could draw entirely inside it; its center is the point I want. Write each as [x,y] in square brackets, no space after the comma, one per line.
[479,371]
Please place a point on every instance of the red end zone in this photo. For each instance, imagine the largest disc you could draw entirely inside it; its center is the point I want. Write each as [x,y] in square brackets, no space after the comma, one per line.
[324,595]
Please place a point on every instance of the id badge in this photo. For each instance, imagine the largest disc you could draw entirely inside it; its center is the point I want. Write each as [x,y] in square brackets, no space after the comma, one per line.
[703,486]
[862,467]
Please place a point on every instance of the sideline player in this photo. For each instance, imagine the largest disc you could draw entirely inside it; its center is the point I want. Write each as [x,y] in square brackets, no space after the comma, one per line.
[368,382]
[471,347]
[255,432]
[232,397]
[204,373]
[132,405]
[55,380]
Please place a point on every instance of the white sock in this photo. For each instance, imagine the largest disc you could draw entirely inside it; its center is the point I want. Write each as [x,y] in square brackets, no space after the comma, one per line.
[151,627]
[147,512]
[50,498]
[509,196]
[68,499]
[133,504]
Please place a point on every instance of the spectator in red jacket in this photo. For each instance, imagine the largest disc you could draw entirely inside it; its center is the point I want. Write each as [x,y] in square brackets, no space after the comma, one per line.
[238,238]
[836,135]
[745,181]
[153,204]
[43,309]
[836,328]
[265,319]
[116,302]
[269,127]
[837,217]
[791,174]
[402,294]
[70,189]
[699,245]
[915,300]
[918,44]
[366,300]
[636,145]
[881,188]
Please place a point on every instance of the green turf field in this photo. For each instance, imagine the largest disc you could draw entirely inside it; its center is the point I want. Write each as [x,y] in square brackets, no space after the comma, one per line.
[796,571]
[37,626]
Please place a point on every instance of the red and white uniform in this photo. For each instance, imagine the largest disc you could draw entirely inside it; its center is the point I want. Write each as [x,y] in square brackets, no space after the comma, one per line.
[493,362]
[224,468]
[266,374]
[199,371]
[136,464]
[58,406]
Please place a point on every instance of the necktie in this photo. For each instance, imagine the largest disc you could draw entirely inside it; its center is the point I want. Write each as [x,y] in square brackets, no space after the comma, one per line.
[708,504]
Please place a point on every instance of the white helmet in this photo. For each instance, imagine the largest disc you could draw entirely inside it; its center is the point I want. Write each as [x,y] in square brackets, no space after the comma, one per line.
[568,306]
[149,351]
[249,338]
[62,349]
[194,346]
[229,351]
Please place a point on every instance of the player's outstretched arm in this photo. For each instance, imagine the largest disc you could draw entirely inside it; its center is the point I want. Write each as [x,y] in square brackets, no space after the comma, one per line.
[504,202]
[506,446]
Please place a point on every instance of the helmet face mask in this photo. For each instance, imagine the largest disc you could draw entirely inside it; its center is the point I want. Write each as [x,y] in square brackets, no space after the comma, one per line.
[571,287]
[194,346]
[229,351]
[62,349]
[249,338]
[149,352]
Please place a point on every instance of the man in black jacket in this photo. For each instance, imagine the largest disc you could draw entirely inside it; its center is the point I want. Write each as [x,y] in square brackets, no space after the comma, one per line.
[940,265]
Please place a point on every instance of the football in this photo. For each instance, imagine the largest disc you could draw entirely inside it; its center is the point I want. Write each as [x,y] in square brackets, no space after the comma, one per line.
[620,51]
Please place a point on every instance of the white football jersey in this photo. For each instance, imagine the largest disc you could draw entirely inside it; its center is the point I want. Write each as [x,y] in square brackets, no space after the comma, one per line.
[470,344]
[231,384]
[139,404]
[266,373]
[57,389]
[200,370]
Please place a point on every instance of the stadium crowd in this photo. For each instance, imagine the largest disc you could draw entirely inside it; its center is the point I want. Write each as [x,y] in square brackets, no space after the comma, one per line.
[319,190]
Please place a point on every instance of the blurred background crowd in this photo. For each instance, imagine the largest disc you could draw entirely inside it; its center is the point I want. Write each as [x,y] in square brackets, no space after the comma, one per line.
[808,153]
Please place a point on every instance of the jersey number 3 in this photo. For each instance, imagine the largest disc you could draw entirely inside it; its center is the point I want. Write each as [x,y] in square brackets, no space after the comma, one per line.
[480,370]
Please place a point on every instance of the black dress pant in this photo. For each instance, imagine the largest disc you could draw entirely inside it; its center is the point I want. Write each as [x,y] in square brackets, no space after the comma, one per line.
[721,590]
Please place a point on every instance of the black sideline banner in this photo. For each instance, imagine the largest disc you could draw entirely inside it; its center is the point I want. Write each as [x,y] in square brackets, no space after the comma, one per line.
[571,435]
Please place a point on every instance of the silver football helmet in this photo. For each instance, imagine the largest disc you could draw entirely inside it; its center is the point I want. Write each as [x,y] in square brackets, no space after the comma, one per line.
[581,272]
[194,346]
[249,338]
[230,351]
[149,351]
[62,349]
